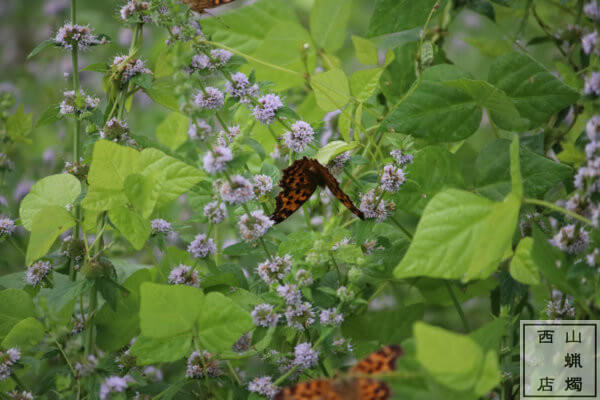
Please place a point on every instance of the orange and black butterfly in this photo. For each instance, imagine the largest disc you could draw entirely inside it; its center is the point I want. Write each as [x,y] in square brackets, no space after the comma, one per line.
[201,5]
[357,385]
[298,183]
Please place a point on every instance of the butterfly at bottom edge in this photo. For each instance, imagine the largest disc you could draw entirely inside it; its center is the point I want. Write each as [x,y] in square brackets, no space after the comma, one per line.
[201,5]
[299,181]
[350,387]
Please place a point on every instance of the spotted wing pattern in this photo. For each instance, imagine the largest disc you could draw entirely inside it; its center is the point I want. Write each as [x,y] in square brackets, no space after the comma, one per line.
[299,182]
[383,360]
[297,185]
[201,5]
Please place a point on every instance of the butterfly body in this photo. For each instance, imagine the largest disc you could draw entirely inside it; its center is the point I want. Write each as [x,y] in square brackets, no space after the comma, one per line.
[299,182]
[349,387]
[201,5]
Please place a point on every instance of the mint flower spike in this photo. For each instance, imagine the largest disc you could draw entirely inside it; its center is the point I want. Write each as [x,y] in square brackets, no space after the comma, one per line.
[301,135]
[71,35]
[202,246]
[240,88]
[181,275]
[114,384]
[7,226]
[254,226]
[36,272]
[215,211]
[275,269]
[265,316]
[392,178]
[238,191]
[305,356]
[266,109]
[7,359]
[263,184]
[263,385]
[160,225]
[211,99]
[216,160]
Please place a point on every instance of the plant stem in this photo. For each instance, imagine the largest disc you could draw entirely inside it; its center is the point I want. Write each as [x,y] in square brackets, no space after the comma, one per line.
[76,132]
[554,207]
[403,229]
[458,307]
[89,339]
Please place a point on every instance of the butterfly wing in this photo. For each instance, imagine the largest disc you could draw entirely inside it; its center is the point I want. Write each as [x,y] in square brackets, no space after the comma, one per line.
[383,360]
[297,185]
[201,5]
[333,185]
[317,389]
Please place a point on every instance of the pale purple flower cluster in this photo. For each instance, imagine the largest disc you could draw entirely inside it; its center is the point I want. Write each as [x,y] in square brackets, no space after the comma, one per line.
[593,259]
[88,366]
[199,130]
[70,105]
[7,226]
[152,373]
[589,43]
[592,84]
[374,207]
[160,225]
[5,162]
[304,277]
[238,191]
[16,395]
[240,87]
[263,184]
[201,363]
[8,358]
[264,315]
[331,316]
[264,386]
[401,158]
[557,309]
[130,67]
[300,315]
[571,239]
[215,211]
[36,272]
[254,226]
[217,159]
[299,137]
[344,294]
[267,107]
[336,166]
[392,178]
[210,98]
[133,7]
[218,59]
[202,246]
[290,293]
[114,384]
[226,137]
[592,10]
[275,269]
[183,275]
[70,36]
[305,356]
[115,130]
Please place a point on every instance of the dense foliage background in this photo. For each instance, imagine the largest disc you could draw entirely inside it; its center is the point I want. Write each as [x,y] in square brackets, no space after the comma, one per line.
[141,147]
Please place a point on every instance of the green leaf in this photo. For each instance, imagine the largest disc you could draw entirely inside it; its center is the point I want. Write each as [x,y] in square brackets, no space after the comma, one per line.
[149,350]
[111,164]
[489,47]
[499,106]
[97,67]
[515,169]
[522,265]
[366,51]
[329,22]
[455,360]
[163,93]
[143,80]
[15,306]
[51,115]
[47,225]
[399,75]
[333,149]
[387,326]
[398,15]
[460,236]
[54,190]
[41,47]
[64,294]
[132,226]
[435,111]
[172,131]
[142,192]
[19,126]
[331,89]
[536,93]
[24,335]
[364,83]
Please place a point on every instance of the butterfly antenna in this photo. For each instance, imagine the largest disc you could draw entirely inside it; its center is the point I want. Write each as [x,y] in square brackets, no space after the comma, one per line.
[218,18]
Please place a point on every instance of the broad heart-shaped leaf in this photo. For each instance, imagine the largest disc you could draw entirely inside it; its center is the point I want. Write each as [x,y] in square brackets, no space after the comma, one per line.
[15,306]
[135,228]
[536,93]
[460,236]
[163,93]
[24,335]
[398,15]
[493,176]
[179,177]
[331,89]
[48,224]
[328,23]
[283,47]
[455,360]
[433,169]
[19,126]
[333,149]
[54,190]
[499,106]
[366,51]
[435,111]
[159,350]
[172,131]
[522,265]
[363,83]
[142,192]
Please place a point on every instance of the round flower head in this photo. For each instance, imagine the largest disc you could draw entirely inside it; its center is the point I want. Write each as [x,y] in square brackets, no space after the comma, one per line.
[267,106]
[570,239]
[392,178]
[201,246]
[263,184]
[129,67]
[202,363]
[254,226]
[183,275]
[592,10]
[211,98]
[300,315]
[36,272]
[7,226]
[336,166]
[555,309]
[593,259]
[7,359]
[304,277]
[152,373]
[331,317]
[70,36]
[220,57]
[264,386]
[240,87]
[373,207]
[217,159]
[159,225]
[592,84]
[275,269]
[114,384]
[115,130]
[305,356]
[71,105]
[264,315]
[199,130]
[238,191]
[299,137]
[401,158]
[589,42]
[133,7]
[15,395]
[215,211]
[290,294]
[201,61]
[344,294]
[87,367]
[592,128]
[5,162]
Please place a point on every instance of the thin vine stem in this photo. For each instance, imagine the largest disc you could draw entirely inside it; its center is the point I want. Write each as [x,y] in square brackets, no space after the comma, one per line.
[559,209]
[458,307]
